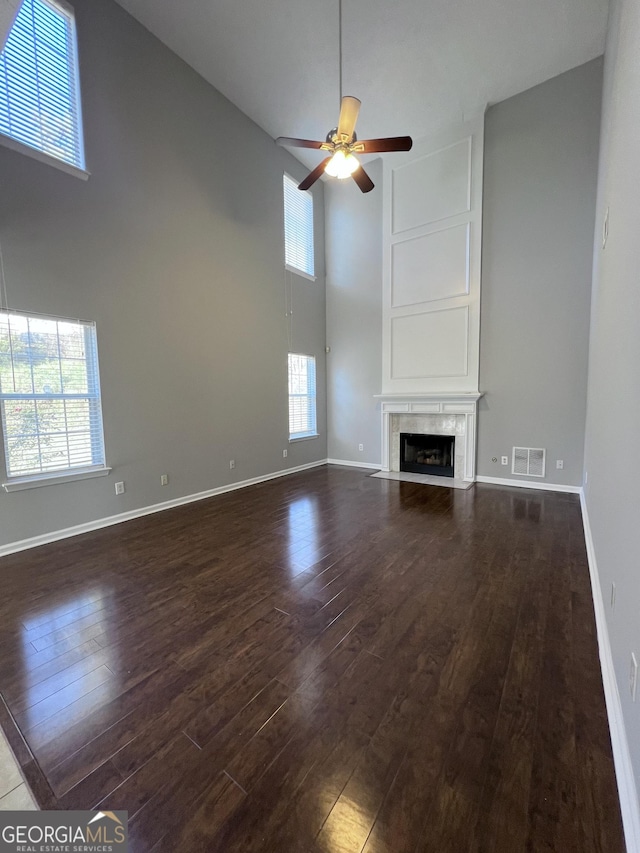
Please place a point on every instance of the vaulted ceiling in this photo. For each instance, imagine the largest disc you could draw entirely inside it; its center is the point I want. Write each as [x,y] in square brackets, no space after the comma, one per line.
[415,64]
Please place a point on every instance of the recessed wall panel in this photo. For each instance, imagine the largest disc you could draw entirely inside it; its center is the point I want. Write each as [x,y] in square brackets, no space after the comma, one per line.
[429,345]
[432,188]
[434,266]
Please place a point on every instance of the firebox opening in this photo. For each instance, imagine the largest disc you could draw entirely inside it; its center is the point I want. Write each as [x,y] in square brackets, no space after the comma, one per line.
[427,454]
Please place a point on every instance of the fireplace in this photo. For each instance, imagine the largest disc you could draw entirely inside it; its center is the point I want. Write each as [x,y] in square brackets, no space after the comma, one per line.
[439,414]
[427,454]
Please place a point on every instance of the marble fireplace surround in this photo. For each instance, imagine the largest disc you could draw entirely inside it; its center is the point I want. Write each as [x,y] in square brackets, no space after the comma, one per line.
[431,414]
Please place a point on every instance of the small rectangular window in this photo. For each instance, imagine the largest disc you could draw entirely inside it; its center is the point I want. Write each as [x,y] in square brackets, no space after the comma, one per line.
[49,395]
[298,228]
[39,88]
[302,396]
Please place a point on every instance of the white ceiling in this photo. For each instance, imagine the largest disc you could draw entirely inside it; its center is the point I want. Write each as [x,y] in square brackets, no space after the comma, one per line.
[416,65]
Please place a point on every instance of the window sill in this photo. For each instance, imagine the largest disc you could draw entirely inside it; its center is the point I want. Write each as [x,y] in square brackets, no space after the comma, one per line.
[36,154]
[303,437]
[301,273]
[21,483]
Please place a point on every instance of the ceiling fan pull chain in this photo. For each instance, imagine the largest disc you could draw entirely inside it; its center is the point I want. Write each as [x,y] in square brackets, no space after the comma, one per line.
[340,45]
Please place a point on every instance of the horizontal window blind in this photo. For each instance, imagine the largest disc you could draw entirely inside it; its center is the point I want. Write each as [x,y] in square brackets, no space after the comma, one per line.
[39,91]
[49,395]
[302,396]
[298,228]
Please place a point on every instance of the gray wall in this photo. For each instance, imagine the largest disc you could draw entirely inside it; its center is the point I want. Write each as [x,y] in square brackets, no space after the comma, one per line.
[541,155]
[612,455]
[8,11]
[174,246]
[354,317]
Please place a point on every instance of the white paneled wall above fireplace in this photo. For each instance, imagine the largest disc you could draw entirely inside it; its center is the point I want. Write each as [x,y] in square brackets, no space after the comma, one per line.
[431,285]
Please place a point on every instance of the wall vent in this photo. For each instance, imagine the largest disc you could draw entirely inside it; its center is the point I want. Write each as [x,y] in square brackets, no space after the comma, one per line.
[528,461]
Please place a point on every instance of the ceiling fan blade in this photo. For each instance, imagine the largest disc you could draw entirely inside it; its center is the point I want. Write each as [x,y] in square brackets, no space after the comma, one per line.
[363,180]
[391,143]
[292,142]
[312,177]
[349,109]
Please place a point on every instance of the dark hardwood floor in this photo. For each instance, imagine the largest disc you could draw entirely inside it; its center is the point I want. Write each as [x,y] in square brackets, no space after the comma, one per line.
[325,663]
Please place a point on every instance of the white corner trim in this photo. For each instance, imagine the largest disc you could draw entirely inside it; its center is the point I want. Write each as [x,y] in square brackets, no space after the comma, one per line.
[56,535]
[530,484]
[301,273]
[373,466]
[431,397]
[627,791]
[21,483]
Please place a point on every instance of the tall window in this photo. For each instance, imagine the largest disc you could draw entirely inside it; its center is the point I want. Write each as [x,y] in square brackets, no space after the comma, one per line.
[49,395]
[302,396]
[39,90]
[298,228]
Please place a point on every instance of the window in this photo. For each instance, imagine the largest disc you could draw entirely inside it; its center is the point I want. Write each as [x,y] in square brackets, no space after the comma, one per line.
[298,229]
[39,90]
[49,396]
[302,396]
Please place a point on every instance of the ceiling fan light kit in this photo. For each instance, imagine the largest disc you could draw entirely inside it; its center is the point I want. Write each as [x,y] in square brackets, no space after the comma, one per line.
[343,144]
[341,165]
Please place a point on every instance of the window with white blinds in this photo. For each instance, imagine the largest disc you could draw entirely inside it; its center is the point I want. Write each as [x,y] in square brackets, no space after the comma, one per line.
[49,395]
[298,228]
[302,396]
[39,89]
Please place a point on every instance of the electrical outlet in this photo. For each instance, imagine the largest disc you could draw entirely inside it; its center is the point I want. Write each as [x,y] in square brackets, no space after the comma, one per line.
[361,447]
[232,464]
[504,460]
[285,453]
[613,596]
[559,464]
[633,676]
[119,488]
[164,479]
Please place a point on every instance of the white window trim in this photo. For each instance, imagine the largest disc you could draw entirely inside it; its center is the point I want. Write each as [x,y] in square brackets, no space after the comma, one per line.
[38,480]
[305,436]
[31,481]
[36,154]
[289,267]
[301,273]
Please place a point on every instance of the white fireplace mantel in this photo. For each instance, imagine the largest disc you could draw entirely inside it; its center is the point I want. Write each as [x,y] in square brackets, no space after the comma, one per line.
[464,404]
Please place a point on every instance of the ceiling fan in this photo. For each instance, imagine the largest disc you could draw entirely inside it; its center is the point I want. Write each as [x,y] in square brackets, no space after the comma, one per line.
[343,143]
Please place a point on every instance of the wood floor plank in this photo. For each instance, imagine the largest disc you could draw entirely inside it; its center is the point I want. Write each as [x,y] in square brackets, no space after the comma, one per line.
[552,804]
[136,790]
[46,688]
[504,802]
[105,720]
[218,801]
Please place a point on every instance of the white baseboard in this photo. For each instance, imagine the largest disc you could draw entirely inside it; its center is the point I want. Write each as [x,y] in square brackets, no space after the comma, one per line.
[530,484]
[627,791]
[56,535]
[373,466]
